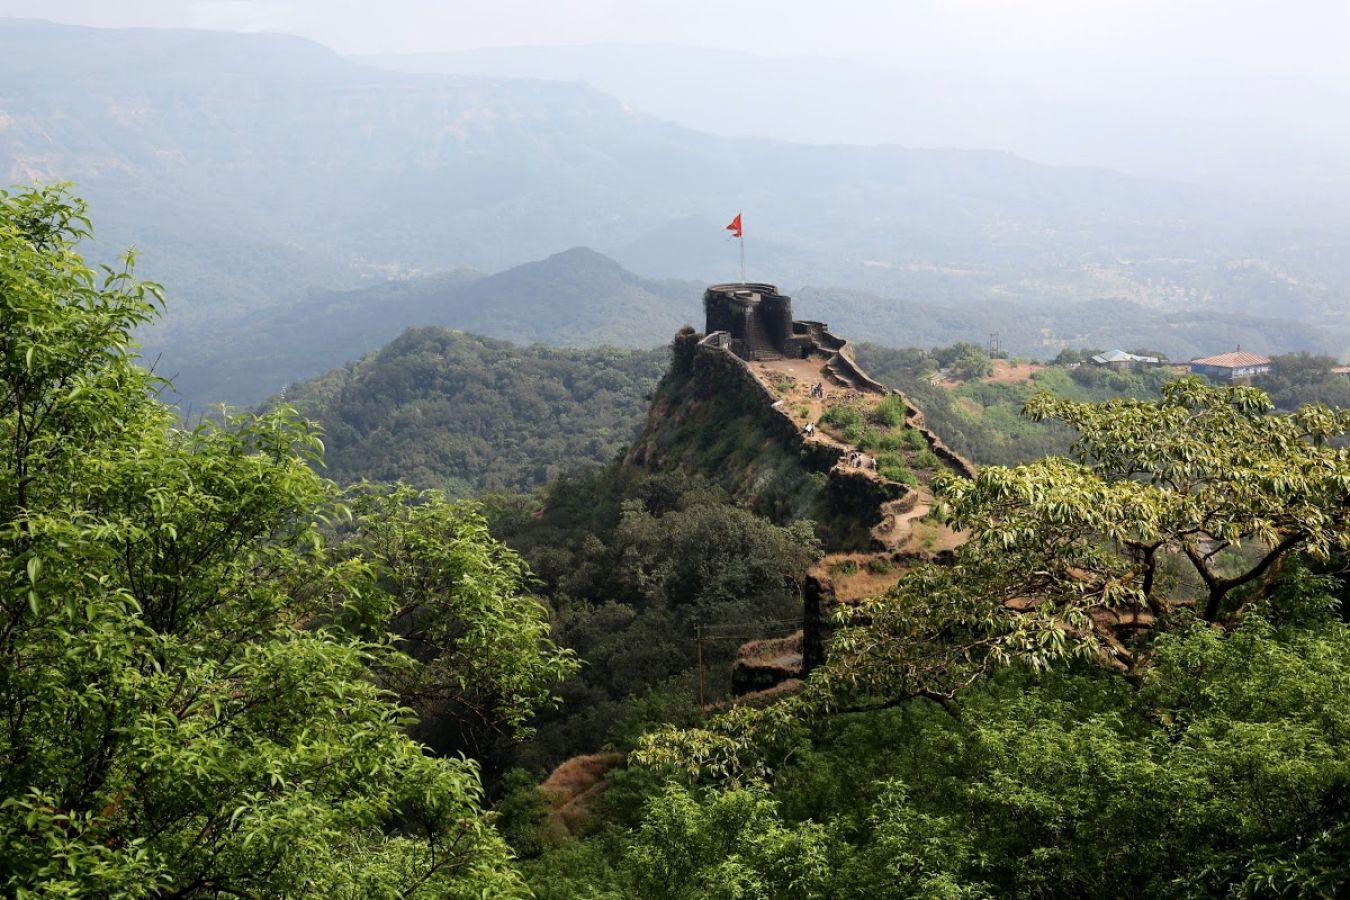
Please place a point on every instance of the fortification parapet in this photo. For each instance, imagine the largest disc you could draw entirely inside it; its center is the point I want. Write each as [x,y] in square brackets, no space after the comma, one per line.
[757,318]
[753,321]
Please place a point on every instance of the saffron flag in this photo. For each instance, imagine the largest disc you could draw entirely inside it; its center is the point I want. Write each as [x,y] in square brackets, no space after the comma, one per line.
[735,226]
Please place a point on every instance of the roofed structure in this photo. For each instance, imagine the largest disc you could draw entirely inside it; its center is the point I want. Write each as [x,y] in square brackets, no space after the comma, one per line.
[1119,359]
[1233,366]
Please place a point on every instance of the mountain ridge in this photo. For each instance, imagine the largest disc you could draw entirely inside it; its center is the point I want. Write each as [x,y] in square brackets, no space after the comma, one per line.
[577,298]
[581,298]
[251,171]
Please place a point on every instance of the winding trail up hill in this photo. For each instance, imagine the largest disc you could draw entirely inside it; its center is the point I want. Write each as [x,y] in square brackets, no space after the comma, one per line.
[812,437]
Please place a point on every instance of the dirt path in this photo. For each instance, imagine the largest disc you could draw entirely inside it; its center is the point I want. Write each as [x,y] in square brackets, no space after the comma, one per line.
[906,530]
[792,380]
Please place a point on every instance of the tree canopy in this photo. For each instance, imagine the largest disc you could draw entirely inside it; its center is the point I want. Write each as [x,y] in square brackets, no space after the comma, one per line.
[450,410]
[201,640]
[1131,681]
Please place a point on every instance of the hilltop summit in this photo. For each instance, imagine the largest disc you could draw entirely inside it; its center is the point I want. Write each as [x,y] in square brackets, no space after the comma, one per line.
[779,412]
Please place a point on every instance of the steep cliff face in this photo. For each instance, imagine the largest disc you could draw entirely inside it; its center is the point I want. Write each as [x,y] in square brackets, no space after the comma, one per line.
[712,416]
[744,425]
[795,438]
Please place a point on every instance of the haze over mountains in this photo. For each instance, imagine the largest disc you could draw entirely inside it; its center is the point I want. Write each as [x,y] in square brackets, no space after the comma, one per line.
[260,173]
[576,298]
[581,298]
[1194,120]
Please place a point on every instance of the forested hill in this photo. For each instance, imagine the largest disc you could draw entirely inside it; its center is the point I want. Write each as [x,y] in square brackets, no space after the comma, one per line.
[576,298]
[446,409]
[582,298]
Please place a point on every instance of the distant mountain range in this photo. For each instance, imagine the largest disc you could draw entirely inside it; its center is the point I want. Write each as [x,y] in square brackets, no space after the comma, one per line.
[577,298]
[582,299]
[259,173]
[1194,120]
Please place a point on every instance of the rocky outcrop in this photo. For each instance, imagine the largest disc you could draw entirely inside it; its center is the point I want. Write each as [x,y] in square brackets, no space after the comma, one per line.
[574,792]
[710,393]
[716,414]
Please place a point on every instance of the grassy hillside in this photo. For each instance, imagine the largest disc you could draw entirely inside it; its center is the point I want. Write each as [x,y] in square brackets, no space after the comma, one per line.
[982,416]
[446,409]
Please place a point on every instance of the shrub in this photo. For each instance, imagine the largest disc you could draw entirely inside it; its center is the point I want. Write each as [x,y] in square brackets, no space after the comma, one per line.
[926,459]
[890,465]
[888,442]
[889,412]
[843,416]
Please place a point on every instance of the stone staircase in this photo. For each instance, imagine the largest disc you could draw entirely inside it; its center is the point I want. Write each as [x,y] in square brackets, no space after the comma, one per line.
[759,337]
[762,666]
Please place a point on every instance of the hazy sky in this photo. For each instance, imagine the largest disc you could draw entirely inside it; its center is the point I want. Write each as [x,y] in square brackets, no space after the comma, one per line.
[1310,37]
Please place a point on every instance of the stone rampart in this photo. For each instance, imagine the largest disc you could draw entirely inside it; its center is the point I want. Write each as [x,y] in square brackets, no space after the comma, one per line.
[843,366]
[715,367]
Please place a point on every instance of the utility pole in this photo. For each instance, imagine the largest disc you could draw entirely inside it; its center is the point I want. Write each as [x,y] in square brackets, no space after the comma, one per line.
[698,641]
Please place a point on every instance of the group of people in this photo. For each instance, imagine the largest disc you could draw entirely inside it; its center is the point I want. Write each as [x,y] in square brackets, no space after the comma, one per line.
[860,460]
[856,459]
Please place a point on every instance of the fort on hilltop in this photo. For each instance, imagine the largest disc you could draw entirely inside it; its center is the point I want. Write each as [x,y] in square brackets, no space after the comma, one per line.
[758,323]
[766,403]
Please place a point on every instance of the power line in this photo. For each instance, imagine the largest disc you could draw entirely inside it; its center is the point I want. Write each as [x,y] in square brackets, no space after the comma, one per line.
[758,623]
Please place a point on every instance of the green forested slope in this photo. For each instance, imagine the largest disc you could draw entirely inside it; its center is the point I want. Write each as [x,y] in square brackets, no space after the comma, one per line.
[577,298]
[441,408]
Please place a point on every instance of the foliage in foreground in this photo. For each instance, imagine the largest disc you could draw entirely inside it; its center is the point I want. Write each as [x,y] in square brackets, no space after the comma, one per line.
[1127,681]
[1226,774]
[195,691]
[1175,510]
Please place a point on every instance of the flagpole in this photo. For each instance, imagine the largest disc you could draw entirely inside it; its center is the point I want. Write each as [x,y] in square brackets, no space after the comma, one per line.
[742,237]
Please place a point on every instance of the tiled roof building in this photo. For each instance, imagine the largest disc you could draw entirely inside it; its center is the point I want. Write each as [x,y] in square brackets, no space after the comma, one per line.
[1233,366]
